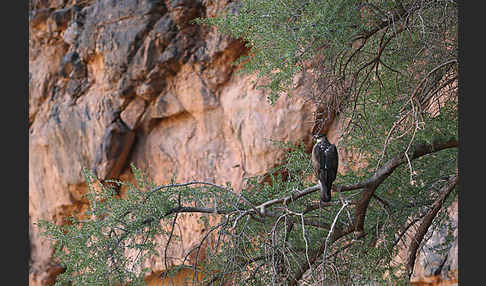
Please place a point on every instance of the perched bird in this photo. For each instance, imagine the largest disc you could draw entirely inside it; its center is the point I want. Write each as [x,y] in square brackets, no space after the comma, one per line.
[325,162]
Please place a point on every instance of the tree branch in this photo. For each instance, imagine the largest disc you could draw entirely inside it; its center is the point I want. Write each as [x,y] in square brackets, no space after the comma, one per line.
[208,184]
[387,169]
[427,221]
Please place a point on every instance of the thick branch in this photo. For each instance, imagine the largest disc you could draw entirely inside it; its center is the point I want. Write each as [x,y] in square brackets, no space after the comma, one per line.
[387,169]
[427,221]
[382,173]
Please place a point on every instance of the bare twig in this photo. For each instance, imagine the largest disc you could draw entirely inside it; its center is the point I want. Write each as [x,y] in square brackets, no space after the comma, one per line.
[327,242]
[208,184]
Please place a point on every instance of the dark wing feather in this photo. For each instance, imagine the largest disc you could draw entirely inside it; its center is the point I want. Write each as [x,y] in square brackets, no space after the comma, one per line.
[331,163]
[322,174]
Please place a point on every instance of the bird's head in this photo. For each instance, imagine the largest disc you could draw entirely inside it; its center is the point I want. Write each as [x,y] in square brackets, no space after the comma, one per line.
[319,137]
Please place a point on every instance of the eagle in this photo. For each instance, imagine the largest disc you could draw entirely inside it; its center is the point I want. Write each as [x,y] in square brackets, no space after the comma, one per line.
[325,162]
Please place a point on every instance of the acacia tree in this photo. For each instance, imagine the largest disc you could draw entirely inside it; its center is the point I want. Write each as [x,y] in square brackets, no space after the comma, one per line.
[388,69]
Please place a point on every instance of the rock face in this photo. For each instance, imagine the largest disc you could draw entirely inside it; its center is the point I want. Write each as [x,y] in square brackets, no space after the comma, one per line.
[119,82]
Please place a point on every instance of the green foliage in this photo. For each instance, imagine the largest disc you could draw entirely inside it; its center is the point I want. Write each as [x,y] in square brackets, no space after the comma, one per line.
[283,35]
[92,250]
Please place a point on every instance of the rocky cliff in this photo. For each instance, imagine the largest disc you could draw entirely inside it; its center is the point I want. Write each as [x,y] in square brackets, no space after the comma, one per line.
[134,81]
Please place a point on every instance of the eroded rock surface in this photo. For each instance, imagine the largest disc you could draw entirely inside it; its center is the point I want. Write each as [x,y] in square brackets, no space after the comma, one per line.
[116,82]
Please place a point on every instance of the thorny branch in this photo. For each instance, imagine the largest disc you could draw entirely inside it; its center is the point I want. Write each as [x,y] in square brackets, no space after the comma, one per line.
[368,187]
[269,212]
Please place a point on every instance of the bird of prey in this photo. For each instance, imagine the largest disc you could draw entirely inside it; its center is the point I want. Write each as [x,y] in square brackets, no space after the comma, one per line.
[325,162]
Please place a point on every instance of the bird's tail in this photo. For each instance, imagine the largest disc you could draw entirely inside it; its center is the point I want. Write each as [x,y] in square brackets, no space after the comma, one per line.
[325,191]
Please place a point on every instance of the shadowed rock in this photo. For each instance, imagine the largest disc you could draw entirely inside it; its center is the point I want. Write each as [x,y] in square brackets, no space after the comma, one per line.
[113,151]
